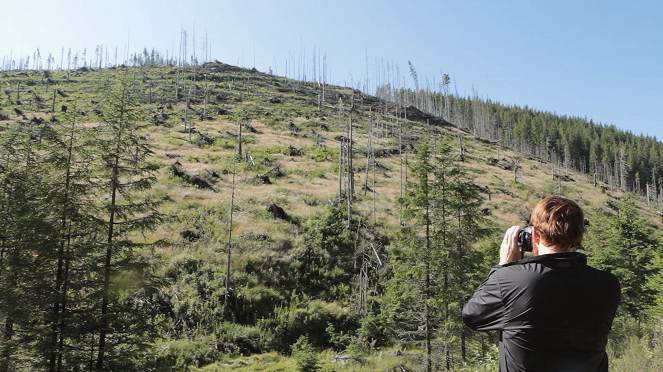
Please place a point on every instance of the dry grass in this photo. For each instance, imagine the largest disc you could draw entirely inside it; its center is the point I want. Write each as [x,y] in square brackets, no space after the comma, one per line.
[302,196]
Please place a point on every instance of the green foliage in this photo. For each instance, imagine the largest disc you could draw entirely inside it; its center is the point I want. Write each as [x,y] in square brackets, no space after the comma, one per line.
[224,143]
[123,172]
[484,362]
[181,355]
[274,149]
[269,362]
[263,161]
[235,339]
[313,172]
[436,259]
[260,300]
[197,292]
[311,200]
[374,331]
[305,355]
[325,258]
[314,125]
[322,153]
[637,352]
[321,322]
[206,158]
[555,187]
[580,144]
[29,238]
[91,290]
[624,244]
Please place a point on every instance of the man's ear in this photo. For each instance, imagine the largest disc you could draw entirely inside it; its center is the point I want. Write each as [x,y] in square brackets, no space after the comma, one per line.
[535,235]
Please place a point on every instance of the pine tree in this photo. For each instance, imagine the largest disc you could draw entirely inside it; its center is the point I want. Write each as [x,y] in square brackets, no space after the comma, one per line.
[433,261]
[459,223]
[71,195]
[624,244]
[27,243]
[409,291]
[124,171]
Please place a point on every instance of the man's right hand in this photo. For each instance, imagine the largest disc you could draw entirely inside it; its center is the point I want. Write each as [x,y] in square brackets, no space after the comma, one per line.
[510,251]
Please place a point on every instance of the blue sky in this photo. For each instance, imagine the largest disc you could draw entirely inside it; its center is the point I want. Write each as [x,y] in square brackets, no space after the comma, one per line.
[597,59]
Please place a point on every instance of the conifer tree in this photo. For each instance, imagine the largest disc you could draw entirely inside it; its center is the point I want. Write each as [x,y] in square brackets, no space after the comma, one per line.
[433,260]
[26,246]
[124,171]
[71,196]
[625,244]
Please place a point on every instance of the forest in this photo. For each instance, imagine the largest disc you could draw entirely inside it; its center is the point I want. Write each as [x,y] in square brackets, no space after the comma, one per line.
[176,216]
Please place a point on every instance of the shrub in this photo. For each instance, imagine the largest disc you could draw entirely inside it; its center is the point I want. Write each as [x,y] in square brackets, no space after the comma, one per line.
[224,143]
[314,125]
[310,200]
[259,301]
[235,339]
[374,331]
[181,355]
[305,356]
[324,324]
[636,354]
[322,153]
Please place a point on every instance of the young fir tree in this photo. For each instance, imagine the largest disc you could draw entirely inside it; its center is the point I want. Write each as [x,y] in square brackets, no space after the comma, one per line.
[413,261]
[71,195]
[124,171]
[27,243]
[432,260]
[459,223]
[624,244]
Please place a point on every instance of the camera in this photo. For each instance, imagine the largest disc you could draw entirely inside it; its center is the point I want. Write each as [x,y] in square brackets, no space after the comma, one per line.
[525,238]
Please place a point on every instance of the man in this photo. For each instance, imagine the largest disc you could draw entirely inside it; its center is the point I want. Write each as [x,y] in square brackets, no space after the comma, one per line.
[553,311]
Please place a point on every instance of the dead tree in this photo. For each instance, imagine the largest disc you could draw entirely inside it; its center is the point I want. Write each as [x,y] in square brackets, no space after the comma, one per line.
[340,167]
[351,157]
[226,298]
[239,139]
[368,153]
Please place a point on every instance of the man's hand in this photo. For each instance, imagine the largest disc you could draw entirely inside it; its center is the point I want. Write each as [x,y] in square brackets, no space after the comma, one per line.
[510,251]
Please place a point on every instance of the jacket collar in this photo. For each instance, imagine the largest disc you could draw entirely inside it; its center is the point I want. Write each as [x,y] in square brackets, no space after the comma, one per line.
[566,259]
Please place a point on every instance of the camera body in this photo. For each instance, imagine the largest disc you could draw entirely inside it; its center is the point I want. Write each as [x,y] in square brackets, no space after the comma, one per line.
[525,238]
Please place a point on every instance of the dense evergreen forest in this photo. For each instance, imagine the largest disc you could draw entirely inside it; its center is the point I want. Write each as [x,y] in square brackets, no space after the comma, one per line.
[174,216]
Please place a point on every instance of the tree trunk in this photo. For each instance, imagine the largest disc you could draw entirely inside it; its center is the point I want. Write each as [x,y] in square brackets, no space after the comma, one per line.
[239,140]
[7,339]
[226,298]
[107,270]
[427,287]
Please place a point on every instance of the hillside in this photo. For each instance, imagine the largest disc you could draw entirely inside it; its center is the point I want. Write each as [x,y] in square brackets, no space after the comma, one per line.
[276,152]
[285,125]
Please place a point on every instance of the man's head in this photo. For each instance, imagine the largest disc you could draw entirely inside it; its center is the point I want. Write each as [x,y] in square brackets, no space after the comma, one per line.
[559,222]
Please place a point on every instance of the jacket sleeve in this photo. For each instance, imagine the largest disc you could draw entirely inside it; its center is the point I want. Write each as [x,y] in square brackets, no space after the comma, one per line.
[485,310]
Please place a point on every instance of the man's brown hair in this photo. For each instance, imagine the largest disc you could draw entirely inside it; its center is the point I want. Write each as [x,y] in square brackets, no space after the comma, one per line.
[559,221]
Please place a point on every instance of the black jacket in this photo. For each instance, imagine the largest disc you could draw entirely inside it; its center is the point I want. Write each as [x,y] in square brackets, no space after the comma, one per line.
[553,311]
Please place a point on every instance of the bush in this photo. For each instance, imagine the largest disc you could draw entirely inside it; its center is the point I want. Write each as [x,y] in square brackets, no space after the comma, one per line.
[305,356]
[374,331]
[322,153]
[236,339]
[259,301]
[180,355]
[326,325]
[314,125]
[311,200]
[224,143]
[636,354]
